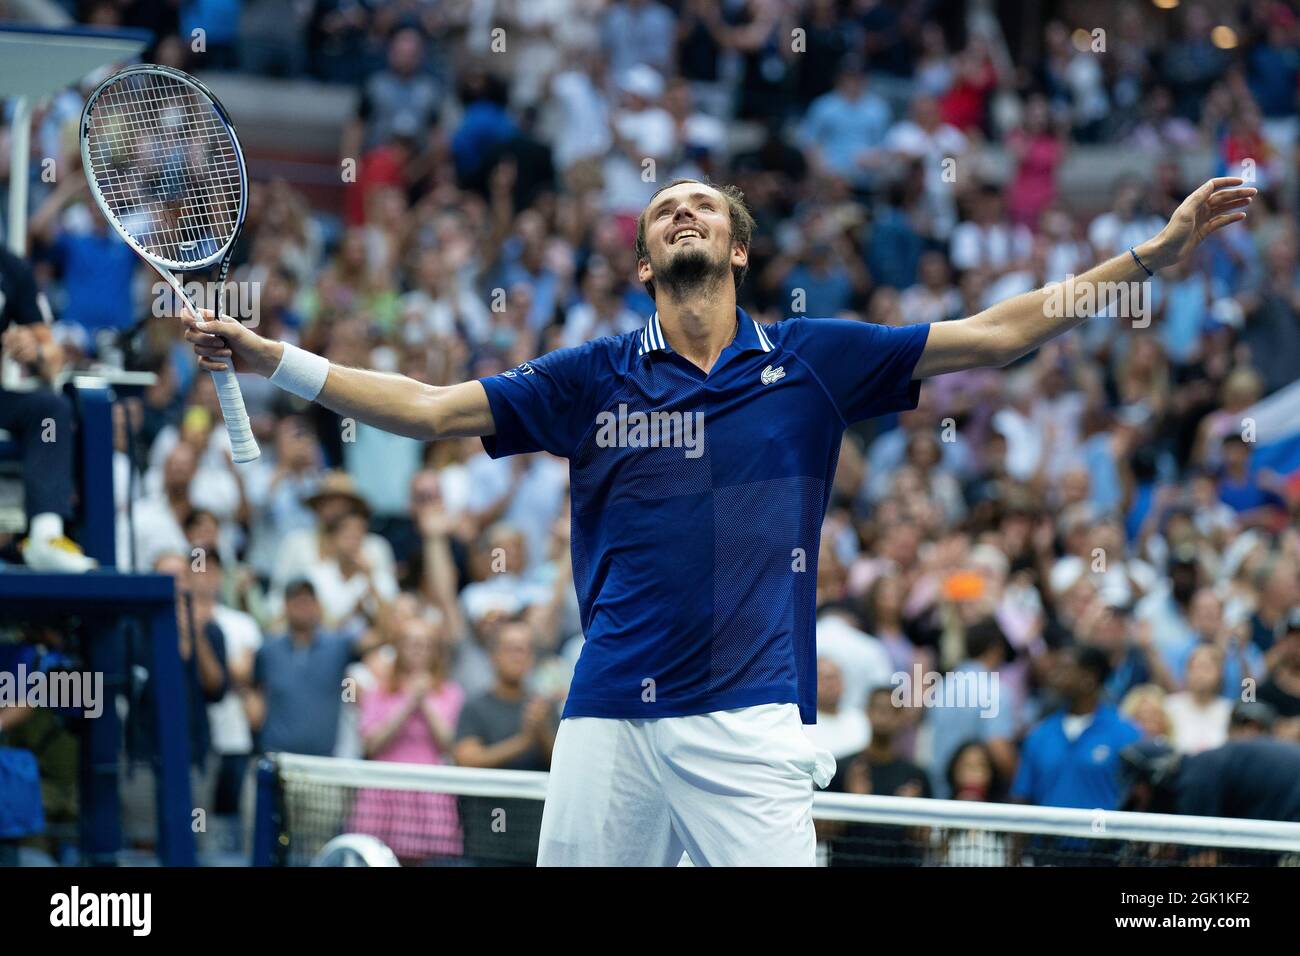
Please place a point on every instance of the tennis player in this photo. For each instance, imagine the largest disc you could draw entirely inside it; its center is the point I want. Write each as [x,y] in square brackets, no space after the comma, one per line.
[701,452]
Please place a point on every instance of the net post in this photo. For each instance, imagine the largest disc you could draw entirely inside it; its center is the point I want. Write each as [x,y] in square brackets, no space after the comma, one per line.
[268,821]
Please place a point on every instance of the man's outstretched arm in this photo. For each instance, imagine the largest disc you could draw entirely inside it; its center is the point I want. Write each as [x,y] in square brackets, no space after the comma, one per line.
[393,403]
[1012,328]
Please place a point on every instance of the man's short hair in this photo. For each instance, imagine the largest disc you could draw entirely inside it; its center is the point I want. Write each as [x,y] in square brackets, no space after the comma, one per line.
[512,623]
[1091,659]
[299,586]
[1255,712]
[985,635]
[742,224]
[195,516]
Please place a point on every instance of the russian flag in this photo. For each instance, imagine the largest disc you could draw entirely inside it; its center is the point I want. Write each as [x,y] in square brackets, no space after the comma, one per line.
[1277,432]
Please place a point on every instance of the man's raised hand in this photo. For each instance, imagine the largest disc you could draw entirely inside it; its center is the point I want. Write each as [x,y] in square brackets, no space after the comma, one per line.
[1216,203]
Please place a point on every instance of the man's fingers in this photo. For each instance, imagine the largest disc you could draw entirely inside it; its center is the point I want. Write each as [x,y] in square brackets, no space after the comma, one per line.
[1228,206]
[211,365]
[1222,195]
[197,338]
[1218,222]
[1207,188]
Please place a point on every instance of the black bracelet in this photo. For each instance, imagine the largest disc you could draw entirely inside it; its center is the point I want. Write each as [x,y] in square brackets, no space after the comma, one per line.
[1132,253]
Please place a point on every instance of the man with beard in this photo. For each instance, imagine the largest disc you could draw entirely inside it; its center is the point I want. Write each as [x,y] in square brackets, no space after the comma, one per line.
[701,451]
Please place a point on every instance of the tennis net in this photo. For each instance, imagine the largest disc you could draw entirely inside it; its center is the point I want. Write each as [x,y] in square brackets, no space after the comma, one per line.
[440,815]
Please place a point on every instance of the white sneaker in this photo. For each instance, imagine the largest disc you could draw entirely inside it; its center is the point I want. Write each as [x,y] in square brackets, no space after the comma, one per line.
[56,554]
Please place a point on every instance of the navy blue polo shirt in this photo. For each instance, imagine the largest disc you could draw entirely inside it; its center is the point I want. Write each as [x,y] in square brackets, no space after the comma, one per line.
[697,501]
[1055,771]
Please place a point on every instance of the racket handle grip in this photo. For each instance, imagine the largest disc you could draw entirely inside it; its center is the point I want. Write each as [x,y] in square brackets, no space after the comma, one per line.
[243,445]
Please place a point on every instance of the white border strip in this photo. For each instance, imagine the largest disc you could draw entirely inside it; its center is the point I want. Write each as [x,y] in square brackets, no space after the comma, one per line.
[853,808]
[383,775]
[1059,821]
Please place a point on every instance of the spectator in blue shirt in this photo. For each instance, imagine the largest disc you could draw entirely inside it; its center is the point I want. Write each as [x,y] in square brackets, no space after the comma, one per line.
[484,126]
[822,282]
[637,32]
[894,245]
[1241,489]
[298,678]
[1071,758]
[216,22]
[848,126]
[96,265]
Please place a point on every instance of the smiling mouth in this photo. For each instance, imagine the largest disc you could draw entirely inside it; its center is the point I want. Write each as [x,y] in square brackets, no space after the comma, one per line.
[684,234]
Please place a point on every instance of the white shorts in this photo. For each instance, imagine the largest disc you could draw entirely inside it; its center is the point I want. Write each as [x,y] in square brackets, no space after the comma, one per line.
[728,788]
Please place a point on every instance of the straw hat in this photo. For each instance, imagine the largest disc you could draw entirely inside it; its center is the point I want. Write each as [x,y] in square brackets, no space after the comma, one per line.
[337,484]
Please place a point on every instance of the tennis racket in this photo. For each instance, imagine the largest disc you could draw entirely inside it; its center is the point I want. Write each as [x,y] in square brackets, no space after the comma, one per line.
[166,170]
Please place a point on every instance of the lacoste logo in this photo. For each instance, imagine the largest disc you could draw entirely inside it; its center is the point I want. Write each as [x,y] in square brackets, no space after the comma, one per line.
[771,375]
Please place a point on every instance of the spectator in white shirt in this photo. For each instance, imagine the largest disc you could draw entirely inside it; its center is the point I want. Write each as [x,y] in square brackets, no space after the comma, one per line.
[232,736]
[1126,224]
[938,146]
[352,590]
[578,114]
[863,661]
[988,240]
[159,517]
[302,550]
[643,131]
[1200,714]
[843,731]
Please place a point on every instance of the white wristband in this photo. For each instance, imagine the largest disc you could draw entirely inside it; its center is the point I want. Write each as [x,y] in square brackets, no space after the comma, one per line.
[300,372]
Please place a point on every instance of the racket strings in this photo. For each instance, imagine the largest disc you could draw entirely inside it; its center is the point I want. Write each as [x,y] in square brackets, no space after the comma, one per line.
[166,167]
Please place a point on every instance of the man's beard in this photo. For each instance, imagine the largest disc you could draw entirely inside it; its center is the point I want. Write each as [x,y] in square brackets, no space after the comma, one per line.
[691,273]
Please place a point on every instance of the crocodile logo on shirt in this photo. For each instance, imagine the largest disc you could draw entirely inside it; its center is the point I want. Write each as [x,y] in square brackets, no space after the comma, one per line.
[771,375]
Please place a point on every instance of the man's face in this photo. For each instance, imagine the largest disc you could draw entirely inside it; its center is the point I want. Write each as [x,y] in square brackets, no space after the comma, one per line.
[178,469]
[405,53]
[688,239]
[302,610]
[513,658]
[829,685]
[1110,632]
[883,716]
[508,547]
[1071,680]
[1235,455]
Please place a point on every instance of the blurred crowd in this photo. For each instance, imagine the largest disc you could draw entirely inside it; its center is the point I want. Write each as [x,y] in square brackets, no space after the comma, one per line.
[1086,524]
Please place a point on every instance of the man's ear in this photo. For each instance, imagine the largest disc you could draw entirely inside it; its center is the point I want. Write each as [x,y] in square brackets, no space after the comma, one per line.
[644,272]
[739,256]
